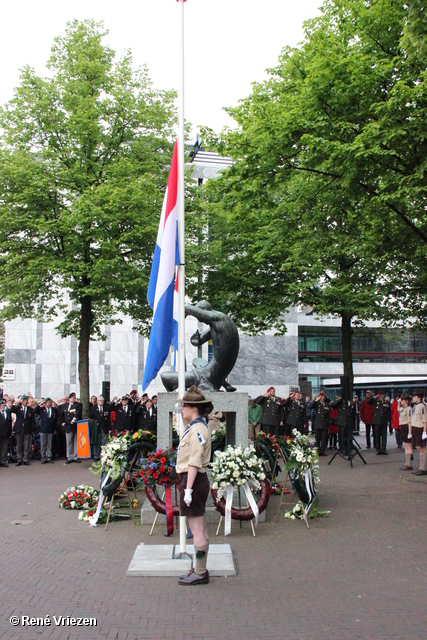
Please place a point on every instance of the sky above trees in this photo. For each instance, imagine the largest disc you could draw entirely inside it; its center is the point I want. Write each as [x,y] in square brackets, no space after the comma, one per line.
[229,43]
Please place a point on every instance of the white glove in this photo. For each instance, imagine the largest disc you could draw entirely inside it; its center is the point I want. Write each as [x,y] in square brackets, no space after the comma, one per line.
[188,496]
[424,436]
[409,436]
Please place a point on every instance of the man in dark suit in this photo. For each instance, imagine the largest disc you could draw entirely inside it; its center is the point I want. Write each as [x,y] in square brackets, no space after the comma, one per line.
[125,416]
[146,417]
[5,432]
[71,412]
[100,415]
[23,430]
[48,424]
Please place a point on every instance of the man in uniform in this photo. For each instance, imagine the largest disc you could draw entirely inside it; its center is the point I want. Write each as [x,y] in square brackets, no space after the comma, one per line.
[320,421]
[48,424]
[146,417]
[297,413]
[71,412]
[125,416]
[345,423]
[23,430]
[5,432]
[380,422]
[271,411]
[99,413]
[419,430]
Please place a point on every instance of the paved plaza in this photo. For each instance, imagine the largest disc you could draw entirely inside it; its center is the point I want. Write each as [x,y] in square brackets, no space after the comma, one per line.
[360,573]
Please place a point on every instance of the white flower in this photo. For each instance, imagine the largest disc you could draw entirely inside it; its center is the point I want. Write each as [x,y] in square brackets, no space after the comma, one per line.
[292,517]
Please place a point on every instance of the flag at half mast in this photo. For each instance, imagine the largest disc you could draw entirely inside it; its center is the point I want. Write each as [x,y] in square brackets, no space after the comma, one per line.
[163,285]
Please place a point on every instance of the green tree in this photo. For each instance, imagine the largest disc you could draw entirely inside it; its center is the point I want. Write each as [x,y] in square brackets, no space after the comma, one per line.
[85,155]
[329,170]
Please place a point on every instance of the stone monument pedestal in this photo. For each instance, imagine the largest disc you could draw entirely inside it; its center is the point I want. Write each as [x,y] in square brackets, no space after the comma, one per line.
[234,404]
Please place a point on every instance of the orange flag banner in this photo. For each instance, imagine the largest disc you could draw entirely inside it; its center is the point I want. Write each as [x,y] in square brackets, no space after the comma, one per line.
[83,440]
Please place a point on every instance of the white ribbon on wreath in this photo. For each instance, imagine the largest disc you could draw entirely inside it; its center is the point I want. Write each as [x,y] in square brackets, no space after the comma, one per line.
[101,497]
[308,479]
[229,503]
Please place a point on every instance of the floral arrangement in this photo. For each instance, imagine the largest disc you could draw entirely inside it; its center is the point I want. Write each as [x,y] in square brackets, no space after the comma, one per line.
[88,516]
[235,467]
[159,468]
[297,513]
[269,441]
[81,497]
[114,455]
[302,456]
[218,435]
[277,489]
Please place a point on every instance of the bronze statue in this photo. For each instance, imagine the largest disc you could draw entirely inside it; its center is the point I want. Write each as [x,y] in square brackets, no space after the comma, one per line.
[225,341]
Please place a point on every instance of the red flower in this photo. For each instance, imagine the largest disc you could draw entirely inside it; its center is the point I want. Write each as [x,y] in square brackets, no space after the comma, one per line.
[90,513]
[155,475]
[158,453]
[141,473]
[161,469]
[145,480]
[163,459]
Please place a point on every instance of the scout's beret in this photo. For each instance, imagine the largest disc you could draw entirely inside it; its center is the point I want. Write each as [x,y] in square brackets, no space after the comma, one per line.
[24,397]
[47,399]
[405,396]
[194,396]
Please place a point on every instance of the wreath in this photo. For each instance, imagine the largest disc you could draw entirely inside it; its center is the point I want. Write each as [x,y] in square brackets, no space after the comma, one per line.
[246,513]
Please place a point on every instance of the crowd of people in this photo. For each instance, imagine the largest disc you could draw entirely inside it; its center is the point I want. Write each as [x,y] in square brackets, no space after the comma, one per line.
[32,428]
[45,428]
[331,422]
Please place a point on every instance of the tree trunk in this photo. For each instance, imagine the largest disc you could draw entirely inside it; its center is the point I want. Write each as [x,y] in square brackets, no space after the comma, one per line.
[86,321]
[347,354]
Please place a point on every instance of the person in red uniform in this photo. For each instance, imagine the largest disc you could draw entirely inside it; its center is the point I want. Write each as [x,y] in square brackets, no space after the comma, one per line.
[367,411]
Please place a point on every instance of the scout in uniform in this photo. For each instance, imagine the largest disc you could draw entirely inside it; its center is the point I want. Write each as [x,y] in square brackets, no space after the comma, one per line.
[194,453]
[405,417]
[419,430]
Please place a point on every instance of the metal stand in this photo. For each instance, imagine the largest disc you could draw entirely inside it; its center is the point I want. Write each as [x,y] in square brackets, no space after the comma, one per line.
[348,447]
[241,522]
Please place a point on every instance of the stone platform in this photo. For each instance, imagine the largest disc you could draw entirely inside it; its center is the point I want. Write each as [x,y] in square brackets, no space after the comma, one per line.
[160,560]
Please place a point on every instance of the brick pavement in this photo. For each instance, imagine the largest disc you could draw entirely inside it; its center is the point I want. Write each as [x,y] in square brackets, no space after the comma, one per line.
[358,574]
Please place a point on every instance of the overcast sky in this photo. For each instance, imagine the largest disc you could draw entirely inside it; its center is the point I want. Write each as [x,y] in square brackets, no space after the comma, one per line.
[228,43]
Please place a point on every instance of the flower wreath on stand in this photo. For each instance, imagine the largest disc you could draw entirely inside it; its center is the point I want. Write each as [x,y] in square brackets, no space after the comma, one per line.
[303,466]
[238,467]
[116,458]
[159,469]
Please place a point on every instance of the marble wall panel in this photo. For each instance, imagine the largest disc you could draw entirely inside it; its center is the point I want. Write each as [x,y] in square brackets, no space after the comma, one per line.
[19,338]
[19,356]
[121,358]
[53,390]
[124,341]
[51,340]
[50,356]
[96,377]
[55,374]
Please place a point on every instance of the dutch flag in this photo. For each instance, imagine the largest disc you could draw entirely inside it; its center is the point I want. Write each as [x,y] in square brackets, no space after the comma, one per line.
[162,291]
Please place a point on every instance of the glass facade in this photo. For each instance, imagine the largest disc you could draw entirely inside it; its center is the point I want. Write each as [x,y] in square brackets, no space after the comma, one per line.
[323,344]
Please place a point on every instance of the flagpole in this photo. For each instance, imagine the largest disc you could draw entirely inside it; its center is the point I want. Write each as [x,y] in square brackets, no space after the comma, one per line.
[181,240]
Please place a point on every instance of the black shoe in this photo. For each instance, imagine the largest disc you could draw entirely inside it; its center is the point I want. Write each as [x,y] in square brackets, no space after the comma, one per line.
[18,464]
[420,472]
[385,453]
[27,464]
[78,461]
[69,461]
[43,462]
[194,578]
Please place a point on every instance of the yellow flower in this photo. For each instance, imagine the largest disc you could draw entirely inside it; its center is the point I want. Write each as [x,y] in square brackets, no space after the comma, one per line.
[134,503]
[135,435]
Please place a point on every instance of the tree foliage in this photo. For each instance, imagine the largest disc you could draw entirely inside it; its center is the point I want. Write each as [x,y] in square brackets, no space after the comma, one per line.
[85,154]
[329,175]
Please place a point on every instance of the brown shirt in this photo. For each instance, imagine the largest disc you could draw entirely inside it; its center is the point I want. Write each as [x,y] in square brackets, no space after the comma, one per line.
[195,448]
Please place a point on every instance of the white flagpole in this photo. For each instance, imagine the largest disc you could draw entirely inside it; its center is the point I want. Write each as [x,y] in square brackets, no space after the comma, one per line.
[181,239]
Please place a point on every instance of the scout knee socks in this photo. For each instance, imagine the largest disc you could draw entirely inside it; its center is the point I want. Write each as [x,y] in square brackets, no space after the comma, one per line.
[201,558]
